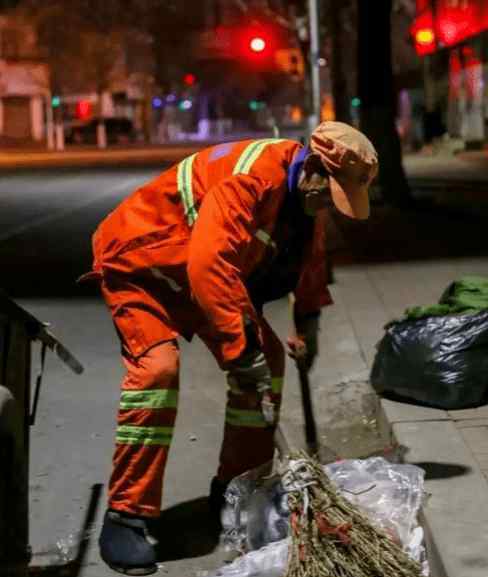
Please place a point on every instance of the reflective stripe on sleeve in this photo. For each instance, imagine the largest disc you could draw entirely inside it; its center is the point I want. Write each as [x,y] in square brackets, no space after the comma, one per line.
[243,418]
[152,399]
[132,435]
[251,153]
[277,384]
[185,188]
[265,238]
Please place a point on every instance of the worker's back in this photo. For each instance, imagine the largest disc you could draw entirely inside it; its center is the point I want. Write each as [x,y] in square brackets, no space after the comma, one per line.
[154,223]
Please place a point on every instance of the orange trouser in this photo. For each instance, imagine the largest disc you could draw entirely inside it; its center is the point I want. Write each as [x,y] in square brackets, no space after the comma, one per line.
[147,413]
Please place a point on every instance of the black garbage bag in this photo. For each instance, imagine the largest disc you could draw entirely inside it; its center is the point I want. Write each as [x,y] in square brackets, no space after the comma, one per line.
[439,361]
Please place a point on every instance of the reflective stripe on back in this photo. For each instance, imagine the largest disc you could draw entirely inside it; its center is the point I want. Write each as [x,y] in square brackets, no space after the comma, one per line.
[251,153]
[185,188]
[243,165]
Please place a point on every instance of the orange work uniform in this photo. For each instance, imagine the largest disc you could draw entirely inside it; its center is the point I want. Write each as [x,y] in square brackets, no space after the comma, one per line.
[199,250]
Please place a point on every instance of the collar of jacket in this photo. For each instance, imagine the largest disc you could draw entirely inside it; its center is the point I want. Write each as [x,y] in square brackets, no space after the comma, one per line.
[295,168]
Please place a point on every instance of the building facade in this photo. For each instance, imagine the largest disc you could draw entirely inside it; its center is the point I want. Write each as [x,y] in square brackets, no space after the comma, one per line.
[24,84]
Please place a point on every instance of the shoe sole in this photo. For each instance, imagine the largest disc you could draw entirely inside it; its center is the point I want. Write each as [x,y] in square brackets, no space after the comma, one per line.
[135,571]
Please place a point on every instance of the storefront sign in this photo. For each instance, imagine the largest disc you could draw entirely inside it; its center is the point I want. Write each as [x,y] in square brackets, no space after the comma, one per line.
[443,23]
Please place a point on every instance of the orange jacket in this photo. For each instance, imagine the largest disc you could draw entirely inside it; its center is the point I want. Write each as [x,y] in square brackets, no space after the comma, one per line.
[208,225]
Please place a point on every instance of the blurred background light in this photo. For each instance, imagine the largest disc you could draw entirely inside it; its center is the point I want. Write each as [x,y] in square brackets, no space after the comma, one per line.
[189,79]
[185,104]
[257,44]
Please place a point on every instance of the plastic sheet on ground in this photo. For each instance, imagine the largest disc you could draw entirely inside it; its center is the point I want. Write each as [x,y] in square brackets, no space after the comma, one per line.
[255,519]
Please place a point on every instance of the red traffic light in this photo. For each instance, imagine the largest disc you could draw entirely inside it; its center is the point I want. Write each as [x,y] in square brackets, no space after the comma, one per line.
[257,44]
[189,79]
[83,109]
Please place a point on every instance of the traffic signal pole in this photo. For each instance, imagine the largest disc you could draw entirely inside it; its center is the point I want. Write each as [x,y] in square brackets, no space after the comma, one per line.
[313,18]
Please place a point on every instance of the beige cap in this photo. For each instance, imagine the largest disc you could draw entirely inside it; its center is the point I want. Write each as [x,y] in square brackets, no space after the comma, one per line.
[352,162]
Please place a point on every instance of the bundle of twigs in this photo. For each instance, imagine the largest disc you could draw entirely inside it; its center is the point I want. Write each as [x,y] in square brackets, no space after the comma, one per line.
[331,537]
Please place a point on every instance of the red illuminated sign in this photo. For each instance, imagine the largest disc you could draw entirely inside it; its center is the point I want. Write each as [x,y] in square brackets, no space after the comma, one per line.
[425,36]
[454,21]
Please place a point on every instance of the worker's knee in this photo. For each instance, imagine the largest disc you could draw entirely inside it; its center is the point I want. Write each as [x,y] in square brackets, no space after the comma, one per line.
[157,368]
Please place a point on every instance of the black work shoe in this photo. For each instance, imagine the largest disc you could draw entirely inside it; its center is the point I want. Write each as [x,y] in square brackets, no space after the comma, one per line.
[216,499]
[126,544]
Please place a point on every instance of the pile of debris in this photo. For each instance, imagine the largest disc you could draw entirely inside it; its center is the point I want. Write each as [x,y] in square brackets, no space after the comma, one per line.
[352,518]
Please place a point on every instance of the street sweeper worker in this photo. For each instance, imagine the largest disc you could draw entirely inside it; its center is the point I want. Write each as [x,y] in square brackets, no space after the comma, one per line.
[199,251]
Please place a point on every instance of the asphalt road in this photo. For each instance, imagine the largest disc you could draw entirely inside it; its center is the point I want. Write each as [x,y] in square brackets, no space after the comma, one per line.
[46,221]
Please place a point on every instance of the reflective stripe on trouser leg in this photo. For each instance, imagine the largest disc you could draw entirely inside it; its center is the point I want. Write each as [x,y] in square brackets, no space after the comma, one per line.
[147,412]
[248,442]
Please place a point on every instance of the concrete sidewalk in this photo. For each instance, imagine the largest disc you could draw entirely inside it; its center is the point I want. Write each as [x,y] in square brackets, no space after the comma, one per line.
[450,180]
[464,166]
[451,446]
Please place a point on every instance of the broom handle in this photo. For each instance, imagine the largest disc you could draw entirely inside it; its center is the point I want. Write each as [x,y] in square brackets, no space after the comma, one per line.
[311,436]
[281,443]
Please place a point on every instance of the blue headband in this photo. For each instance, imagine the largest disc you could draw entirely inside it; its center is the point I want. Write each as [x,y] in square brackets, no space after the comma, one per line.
[295,168]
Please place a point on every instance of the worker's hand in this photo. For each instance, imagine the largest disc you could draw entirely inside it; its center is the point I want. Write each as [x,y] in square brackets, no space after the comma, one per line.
[251,370]
[303,345]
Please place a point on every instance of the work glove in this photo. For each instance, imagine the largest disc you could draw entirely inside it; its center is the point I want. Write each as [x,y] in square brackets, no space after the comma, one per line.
[303,345]
[251,370]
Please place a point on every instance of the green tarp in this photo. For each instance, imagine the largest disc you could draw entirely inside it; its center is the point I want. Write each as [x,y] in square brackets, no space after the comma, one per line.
[467,295]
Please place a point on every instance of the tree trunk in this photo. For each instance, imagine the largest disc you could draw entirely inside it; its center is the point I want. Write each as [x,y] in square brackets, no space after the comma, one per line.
[375,89]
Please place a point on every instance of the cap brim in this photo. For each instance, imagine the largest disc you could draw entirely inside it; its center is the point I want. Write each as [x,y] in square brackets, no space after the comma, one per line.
[351,202]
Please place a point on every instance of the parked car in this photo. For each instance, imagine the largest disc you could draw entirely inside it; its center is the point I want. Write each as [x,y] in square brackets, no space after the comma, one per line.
[120,130]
